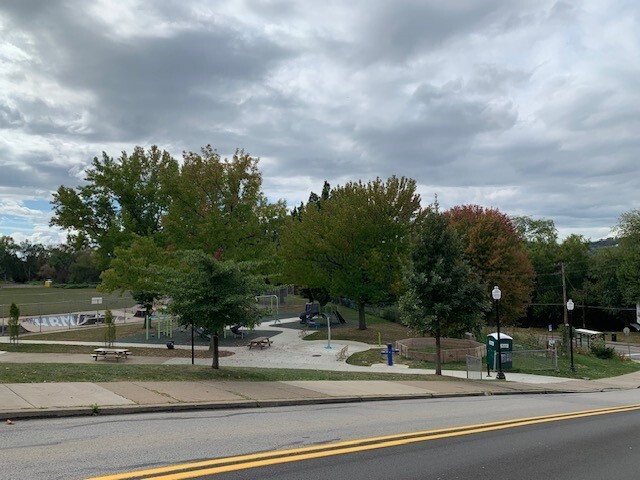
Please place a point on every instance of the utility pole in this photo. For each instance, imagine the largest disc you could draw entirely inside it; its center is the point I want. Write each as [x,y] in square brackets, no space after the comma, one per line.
[564,303]
[564,295]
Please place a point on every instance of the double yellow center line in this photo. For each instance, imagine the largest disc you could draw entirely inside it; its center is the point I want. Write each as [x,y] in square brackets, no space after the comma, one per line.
[242,462]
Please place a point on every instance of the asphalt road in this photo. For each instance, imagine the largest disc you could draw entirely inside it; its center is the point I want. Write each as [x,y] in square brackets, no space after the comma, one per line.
[76,448]
[592,448]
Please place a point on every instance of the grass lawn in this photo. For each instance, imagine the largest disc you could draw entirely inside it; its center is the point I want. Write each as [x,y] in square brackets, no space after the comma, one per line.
[86,334]
[39,300]
[139,352]
[116,372]
[588,367]
[377,328]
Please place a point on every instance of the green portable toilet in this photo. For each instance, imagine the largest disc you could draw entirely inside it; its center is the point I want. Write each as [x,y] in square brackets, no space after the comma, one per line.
[506,345]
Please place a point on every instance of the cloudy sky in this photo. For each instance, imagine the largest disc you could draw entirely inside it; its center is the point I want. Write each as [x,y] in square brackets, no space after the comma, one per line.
[531,107]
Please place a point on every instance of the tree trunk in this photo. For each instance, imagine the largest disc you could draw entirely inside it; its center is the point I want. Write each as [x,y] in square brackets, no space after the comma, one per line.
[438,357]
[362,323]
[216,362]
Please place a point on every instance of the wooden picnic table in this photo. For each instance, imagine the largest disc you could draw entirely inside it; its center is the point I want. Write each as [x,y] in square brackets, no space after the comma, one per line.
[118,353]
[260,342]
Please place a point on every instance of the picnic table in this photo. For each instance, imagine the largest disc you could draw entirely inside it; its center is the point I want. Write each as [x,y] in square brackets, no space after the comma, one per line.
[260,342]
[118,353]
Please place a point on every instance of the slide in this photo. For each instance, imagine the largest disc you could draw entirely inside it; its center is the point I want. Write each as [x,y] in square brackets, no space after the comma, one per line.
[340,317]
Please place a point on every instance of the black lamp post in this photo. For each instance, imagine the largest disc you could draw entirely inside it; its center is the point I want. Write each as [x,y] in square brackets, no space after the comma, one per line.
[570,306]
[497,294]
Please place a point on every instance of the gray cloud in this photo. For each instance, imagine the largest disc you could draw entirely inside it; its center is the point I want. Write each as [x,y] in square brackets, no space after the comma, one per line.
[530,107]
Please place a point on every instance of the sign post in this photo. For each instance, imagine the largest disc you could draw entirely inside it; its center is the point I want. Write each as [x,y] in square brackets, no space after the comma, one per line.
[626,332]
[96,301]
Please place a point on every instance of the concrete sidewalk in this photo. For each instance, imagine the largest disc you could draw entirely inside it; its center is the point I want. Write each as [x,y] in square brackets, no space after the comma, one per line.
[288,351]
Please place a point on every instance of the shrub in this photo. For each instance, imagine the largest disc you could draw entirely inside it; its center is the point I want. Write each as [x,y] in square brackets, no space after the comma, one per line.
[391,313]
[600,349]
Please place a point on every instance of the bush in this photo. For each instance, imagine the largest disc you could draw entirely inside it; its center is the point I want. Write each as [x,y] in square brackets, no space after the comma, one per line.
[391,313]
[600,349]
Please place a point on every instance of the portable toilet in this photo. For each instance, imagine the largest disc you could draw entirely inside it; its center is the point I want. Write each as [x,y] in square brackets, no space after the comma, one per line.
[506,347]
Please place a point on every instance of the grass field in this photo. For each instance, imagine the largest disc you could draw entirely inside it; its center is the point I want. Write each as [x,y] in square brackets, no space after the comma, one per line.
[36,300]
[588,367]
[117,372]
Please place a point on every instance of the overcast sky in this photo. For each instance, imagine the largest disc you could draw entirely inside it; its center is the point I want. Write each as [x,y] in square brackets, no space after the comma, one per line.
[531,107]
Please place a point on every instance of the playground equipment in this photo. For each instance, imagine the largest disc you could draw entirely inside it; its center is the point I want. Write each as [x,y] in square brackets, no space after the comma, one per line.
[310,310]
[273,299]
[164,325]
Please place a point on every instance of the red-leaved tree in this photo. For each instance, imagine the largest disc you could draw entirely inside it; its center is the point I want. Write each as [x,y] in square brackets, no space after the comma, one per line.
[497,253]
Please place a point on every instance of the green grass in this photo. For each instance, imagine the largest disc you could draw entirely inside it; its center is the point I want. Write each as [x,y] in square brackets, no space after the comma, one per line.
[136,351]
[377,328]
[47,301]
[116,372]
[588,367]
[86,334]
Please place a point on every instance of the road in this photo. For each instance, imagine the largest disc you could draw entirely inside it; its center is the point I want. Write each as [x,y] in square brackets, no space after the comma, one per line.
[76,448]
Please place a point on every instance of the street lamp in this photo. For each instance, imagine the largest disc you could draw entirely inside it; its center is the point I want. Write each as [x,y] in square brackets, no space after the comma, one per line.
[497,294]
[570,306]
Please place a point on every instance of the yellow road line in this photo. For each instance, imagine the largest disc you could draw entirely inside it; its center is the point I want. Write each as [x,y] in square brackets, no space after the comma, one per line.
[211,467]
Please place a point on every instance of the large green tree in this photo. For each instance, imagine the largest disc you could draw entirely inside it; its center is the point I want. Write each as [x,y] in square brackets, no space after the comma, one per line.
[217,206]
[353,241]
[495,250]
[120,198]
[444,297]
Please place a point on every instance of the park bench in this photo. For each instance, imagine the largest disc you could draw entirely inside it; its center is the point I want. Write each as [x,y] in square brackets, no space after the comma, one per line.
[342,354]
[118,353]
[260,342]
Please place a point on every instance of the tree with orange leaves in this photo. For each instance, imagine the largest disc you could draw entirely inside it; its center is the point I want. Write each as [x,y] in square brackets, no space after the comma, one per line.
[496,251]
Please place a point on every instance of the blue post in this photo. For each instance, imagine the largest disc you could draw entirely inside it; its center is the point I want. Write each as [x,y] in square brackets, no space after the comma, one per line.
[389,353]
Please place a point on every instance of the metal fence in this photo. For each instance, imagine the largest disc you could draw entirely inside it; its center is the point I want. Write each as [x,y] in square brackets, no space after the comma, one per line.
[535,359]
[474,367]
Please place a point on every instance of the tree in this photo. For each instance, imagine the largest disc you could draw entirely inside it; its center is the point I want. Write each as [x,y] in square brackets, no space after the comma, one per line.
[60,260]
[603,285]
[355,242]
[109,329]
[9,261]
[217,206]
[444,297]
[212,293]
[495,250]
[84,268]
[14,323]
[547,255]
[628,273]
[121,198]
[140,269]
[32,257]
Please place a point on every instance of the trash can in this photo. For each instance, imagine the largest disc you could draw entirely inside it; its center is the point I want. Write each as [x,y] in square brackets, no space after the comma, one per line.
[614,337]
[506,347]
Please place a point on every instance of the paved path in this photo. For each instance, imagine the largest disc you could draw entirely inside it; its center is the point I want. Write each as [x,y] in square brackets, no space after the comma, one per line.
[288,351]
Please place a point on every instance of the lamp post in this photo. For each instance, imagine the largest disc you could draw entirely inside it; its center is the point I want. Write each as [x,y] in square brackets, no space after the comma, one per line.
[570,306]
[497,294]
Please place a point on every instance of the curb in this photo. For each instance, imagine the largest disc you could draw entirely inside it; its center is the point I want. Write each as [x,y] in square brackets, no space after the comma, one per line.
[91,411]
